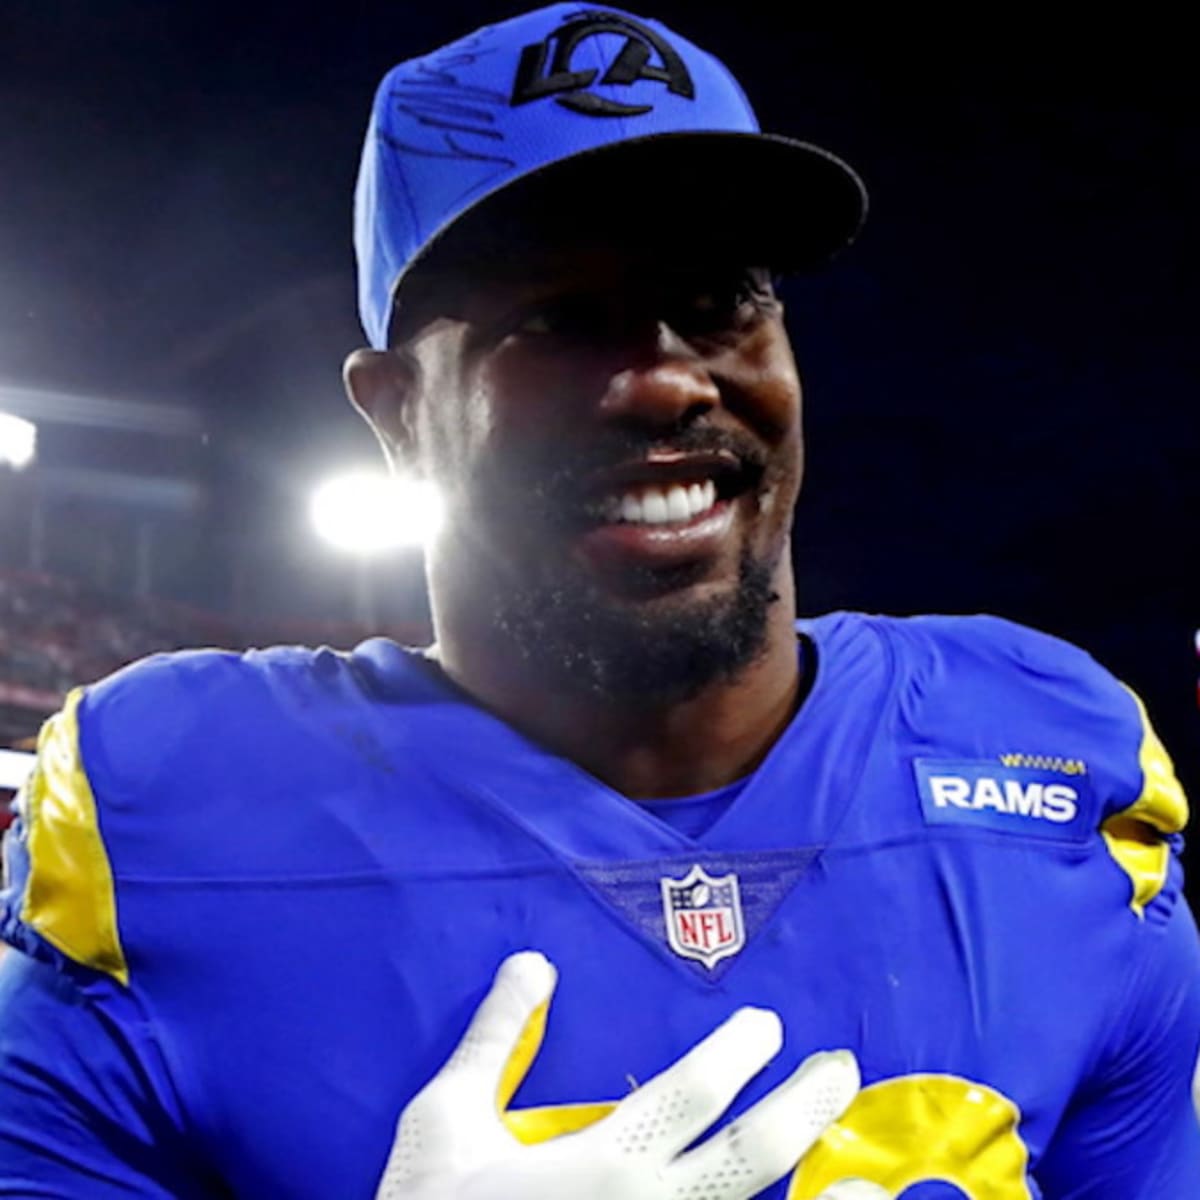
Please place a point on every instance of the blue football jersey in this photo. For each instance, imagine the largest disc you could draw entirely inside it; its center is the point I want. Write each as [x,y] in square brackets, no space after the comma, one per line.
[260,896]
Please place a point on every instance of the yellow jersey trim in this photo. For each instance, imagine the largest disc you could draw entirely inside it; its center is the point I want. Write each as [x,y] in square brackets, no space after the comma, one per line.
[914,1129]
[1135,836]
[69,897]
[533,1125]
[898,1133]
[522,1056]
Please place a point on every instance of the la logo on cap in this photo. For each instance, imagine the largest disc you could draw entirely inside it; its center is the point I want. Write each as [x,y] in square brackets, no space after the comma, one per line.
[538,78]
[704,916]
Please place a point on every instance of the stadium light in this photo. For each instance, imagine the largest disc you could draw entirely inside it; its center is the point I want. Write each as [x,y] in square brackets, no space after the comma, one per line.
[18,441]
[368,512]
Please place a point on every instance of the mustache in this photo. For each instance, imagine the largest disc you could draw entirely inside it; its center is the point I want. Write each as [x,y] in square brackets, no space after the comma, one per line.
[559,474]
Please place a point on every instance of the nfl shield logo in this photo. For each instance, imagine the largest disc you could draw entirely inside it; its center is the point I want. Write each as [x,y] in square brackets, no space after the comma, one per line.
[704,916]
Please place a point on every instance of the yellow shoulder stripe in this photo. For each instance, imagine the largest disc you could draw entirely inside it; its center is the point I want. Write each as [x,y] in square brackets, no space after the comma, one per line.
[1135,835]
[69,899]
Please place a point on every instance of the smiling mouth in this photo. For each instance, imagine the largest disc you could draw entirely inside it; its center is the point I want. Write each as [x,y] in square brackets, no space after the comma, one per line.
[658,505]
[667,490]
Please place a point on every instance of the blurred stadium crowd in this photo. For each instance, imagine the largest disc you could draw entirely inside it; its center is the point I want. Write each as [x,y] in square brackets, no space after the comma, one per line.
[57,633]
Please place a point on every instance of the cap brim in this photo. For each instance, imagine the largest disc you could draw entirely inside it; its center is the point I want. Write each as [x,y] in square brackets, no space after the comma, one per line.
[765,199]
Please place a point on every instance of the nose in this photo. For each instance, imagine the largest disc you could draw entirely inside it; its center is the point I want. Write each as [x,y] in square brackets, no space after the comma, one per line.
[669,385]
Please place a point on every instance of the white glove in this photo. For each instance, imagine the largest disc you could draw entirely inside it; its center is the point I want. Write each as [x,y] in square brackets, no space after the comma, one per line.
[452,1144]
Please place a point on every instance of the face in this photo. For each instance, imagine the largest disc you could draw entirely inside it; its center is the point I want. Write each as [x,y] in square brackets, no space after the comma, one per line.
[617,438]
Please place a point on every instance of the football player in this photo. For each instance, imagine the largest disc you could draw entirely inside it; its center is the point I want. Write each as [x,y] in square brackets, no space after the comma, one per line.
[259,898]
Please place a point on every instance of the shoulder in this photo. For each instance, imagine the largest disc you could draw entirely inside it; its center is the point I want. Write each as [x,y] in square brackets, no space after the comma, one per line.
[147,772]
[944,642]
[132,721]
[986,677]
[983,673]
[990,647]
[1017,707]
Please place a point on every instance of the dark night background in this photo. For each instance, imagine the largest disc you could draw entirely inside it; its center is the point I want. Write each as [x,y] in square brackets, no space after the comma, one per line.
[1000,376]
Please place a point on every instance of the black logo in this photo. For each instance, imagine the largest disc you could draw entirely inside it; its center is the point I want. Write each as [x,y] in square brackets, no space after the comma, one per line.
[535,79]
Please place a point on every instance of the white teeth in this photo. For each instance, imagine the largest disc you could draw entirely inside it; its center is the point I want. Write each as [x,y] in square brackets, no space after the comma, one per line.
[654,508]
[678,506]
[658,506]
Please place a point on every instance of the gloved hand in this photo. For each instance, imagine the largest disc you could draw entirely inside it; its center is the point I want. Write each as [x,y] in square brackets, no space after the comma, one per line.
[452,1144]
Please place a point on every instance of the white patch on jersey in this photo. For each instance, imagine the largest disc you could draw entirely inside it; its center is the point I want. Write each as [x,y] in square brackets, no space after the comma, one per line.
[703,915]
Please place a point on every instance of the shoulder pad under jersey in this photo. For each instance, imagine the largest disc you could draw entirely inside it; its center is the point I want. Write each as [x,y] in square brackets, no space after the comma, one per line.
[1027,700]
[119,783]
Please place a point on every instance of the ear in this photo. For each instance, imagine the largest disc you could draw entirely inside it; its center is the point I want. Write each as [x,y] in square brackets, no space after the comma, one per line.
[383,386]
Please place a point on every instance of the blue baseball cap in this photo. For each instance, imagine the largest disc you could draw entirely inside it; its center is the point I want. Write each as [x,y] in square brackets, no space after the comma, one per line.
[568,103]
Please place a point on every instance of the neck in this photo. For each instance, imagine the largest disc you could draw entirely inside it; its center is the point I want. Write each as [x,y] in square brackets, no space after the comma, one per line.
[644,751]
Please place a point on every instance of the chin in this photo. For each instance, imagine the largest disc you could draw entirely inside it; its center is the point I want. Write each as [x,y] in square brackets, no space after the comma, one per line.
[663,637]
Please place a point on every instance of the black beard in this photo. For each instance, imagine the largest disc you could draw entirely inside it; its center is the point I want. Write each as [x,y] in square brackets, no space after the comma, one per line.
[643,655]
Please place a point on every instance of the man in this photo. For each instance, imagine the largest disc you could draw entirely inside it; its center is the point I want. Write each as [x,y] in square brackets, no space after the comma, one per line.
[260,897]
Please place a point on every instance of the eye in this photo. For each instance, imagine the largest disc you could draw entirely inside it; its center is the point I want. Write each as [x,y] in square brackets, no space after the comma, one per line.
[723,306]
[714,306]
[571,318]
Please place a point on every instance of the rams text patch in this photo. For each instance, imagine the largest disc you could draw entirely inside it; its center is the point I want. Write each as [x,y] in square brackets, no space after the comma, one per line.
[1029,801]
